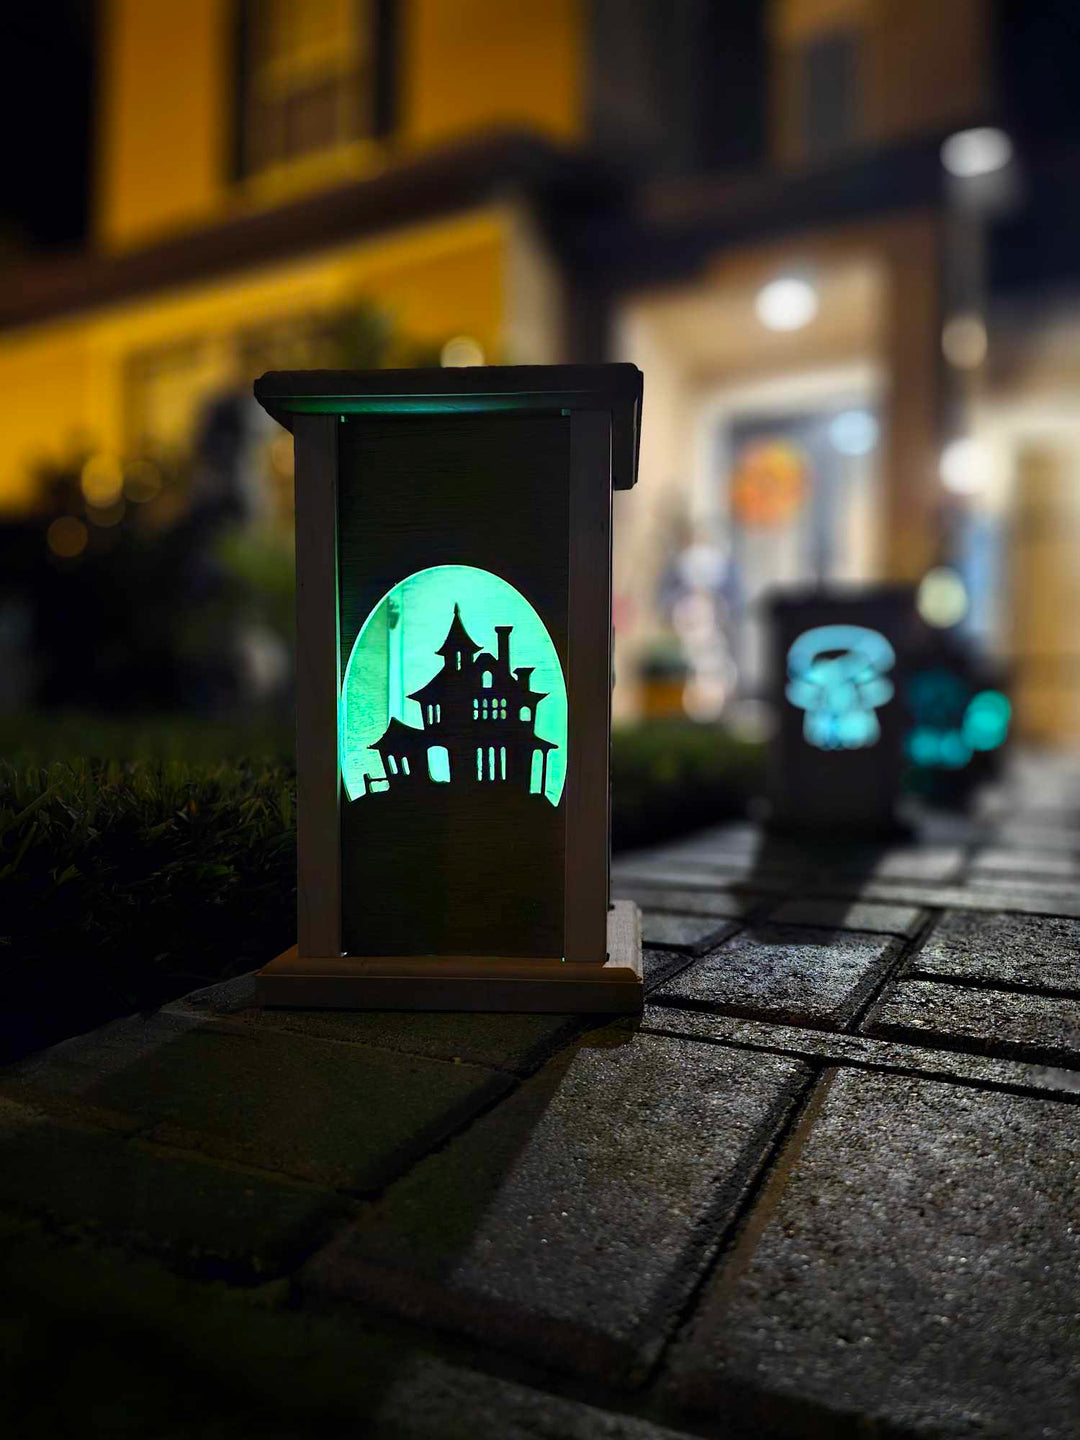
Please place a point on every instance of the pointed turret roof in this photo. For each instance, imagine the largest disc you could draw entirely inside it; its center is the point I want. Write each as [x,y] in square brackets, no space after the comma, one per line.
[458,638]
[397,733]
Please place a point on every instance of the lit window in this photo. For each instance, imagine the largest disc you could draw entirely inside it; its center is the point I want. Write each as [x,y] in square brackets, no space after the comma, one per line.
[479,762]
[438,764]
[309,79]
[392,763]
[502,761]
[485,680]
[476,709]
[491,762]
[405,764]
[525,713]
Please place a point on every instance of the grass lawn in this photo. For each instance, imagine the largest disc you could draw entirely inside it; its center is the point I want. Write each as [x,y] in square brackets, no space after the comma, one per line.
[126,881]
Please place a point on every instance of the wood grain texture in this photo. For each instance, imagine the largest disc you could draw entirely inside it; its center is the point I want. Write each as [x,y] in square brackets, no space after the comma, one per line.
[589,686]
[318,784]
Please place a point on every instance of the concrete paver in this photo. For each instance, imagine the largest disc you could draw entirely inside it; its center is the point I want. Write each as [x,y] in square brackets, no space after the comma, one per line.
[1032,1027]
[570,1223]
[517,1043]
[316,1110]
[1039,951]
[913,1265]
[798,975]
[848,915]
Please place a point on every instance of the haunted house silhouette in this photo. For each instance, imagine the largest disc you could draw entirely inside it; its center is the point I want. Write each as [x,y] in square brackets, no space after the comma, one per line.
[479,722]
[457,851]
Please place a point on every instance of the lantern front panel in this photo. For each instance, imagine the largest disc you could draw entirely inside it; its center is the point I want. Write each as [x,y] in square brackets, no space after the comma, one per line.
[838,666]
[453,579]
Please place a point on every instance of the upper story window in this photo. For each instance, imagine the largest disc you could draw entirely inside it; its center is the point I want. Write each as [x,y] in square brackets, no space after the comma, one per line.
[312,78]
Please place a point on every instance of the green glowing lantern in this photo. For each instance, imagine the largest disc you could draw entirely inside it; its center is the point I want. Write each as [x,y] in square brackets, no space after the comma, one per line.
[453,532]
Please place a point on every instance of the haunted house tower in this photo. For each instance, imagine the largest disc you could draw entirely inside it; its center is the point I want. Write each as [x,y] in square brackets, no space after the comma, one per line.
[479,721]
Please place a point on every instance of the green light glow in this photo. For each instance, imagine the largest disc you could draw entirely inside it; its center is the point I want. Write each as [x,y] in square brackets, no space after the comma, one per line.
[986,720]
[396,654]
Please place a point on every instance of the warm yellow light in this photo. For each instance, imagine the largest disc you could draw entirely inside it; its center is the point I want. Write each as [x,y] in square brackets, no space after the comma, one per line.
[963,341]
[102,480]
[142,481]
[66,537]
[942,598]
[462,350]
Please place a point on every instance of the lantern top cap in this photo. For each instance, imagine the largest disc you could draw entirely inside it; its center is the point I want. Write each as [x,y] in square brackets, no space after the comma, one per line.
[475,389]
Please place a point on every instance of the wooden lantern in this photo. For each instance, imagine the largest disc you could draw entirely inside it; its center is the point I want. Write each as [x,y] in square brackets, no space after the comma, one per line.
[454,663]
[838,663]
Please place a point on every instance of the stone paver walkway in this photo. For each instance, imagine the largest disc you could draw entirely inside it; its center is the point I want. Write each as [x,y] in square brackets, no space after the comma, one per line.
[829,1185]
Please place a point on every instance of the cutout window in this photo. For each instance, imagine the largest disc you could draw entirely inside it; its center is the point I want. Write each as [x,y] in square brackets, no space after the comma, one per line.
[485,680]
[525,713]
[438,764]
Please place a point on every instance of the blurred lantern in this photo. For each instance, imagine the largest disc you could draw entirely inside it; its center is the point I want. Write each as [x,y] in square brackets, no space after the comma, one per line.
[770,483]
[838,663]
[959,721]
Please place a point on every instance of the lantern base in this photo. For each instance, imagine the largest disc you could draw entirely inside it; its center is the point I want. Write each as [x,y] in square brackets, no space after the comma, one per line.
[437,982]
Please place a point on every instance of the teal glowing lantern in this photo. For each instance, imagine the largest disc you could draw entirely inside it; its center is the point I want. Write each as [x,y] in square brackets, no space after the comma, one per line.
[837,661]
[959,722]
[453,688]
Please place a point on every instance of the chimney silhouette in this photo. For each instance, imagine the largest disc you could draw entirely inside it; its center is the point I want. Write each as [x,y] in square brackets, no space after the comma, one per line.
[503,632]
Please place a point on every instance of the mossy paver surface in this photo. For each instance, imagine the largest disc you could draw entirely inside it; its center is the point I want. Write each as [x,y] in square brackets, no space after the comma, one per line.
[828,1184]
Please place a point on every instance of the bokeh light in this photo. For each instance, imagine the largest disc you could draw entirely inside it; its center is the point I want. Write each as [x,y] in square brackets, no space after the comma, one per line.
[461,351]
[66,537]
[942,598]
[986,720]
[142,481]
[980,151]
[106,516]
[787,303]
[854,432]
[963,342]
[102,480]
[965,466]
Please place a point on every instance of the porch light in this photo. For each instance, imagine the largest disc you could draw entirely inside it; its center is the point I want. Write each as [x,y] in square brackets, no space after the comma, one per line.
[787,303]
[982,151]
